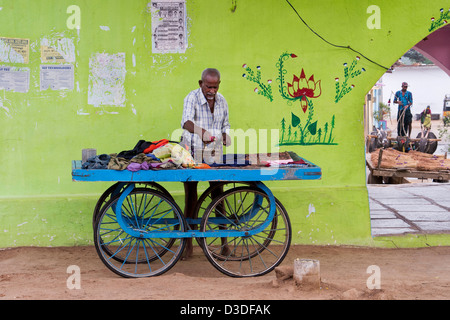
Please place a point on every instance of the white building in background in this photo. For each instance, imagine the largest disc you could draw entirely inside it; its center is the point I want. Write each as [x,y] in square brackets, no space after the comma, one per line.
[427,83]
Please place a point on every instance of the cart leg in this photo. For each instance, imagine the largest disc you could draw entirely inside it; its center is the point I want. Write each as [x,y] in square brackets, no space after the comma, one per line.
[190,201]
[216,191]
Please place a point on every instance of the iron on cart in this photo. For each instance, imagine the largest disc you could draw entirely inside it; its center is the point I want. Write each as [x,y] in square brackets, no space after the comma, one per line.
[140,230]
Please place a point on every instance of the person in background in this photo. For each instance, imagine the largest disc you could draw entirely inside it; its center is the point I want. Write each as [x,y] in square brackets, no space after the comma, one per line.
[404,100]
[205,123]
[425,118]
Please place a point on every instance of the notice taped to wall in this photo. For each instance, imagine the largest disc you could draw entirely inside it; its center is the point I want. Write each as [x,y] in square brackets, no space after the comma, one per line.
[14,50]
[56,48]
[106,79]
[14,79]
[168,26]
[57,77]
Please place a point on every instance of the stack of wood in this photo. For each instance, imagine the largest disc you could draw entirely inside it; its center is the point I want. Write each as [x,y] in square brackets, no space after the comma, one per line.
[430,162]
[392,159]
[415,160]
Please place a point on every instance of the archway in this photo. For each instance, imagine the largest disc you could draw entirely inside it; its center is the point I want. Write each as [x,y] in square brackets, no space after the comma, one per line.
[429,83]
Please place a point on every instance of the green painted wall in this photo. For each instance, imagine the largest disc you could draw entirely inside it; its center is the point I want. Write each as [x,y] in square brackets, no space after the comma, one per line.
[42,131]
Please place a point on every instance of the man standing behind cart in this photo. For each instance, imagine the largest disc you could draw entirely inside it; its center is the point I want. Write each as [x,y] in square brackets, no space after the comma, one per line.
[404,100]
[205,115]
[205,124]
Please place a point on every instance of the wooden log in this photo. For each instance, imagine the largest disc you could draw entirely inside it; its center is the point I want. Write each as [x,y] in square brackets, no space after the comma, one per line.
[412,139]
[380,155]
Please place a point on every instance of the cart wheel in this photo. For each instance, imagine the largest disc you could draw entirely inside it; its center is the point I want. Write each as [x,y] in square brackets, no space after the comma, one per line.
[117,188]
[424,145]
[212,191]
[245,209]
[143,210]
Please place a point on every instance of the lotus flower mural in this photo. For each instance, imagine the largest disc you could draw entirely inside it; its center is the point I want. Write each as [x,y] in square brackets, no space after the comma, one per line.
[303,88]
[297,128]
[300,88]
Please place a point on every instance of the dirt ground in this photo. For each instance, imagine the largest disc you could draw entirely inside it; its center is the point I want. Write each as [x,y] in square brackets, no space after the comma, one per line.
[42,273]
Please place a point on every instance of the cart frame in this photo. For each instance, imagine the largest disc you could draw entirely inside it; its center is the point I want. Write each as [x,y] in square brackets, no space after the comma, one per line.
[155,234]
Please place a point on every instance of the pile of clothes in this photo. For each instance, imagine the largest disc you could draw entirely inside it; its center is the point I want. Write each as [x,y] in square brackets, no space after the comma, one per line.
[161,154]
[165,154]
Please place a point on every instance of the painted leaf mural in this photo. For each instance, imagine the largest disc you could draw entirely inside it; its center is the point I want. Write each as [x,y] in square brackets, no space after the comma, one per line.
[349,73]
[262,88]
[439,22]
[295,120]
[313,128]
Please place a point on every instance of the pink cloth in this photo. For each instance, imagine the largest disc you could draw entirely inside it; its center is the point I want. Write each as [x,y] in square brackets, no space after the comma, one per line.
[134,166]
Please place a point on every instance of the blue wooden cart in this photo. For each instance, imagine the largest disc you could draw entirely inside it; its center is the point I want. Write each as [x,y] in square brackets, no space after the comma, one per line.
[140,231]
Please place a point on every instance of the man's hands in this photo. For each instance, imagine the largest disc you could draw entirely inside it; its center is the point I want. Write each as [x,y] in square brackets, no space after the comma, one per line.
[208,138]
[204,134]
[226,140]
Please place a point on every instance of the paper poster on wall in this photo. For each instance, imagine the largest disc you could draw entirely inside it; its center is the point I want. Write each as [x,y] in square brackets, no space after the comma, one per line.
[57,49]
[106,79]
[49,54]
[14,50]
[14,79]
[56,77]
[168,26]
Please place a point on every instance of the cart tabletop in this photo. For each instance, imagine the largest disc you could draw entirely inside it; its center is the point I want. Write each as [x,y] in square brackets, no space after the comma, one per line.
[308,171]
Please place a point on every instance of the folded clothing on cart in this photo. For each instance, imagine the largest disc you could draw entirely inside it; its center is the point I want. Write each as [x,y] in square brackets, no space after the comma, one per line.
[259,160]
[141,161]
[160,154]
[232,160]
[142,147]
[97,162]
[165,154]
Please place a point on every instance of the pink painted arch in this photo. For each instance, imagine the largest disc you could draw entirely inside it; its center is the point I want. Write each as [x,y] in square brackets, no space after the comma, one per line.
[436,47]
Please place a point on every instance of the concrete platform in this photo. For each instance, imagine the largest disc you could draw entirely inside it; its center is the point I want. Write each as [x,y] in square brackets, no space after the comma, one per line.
[414,208]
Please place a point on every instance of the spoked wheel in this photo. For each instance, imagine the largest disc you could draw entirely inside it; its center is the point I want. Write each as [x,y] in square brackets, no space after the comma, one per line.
[210,193]
[129,253]
[245,209]
[118,188]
